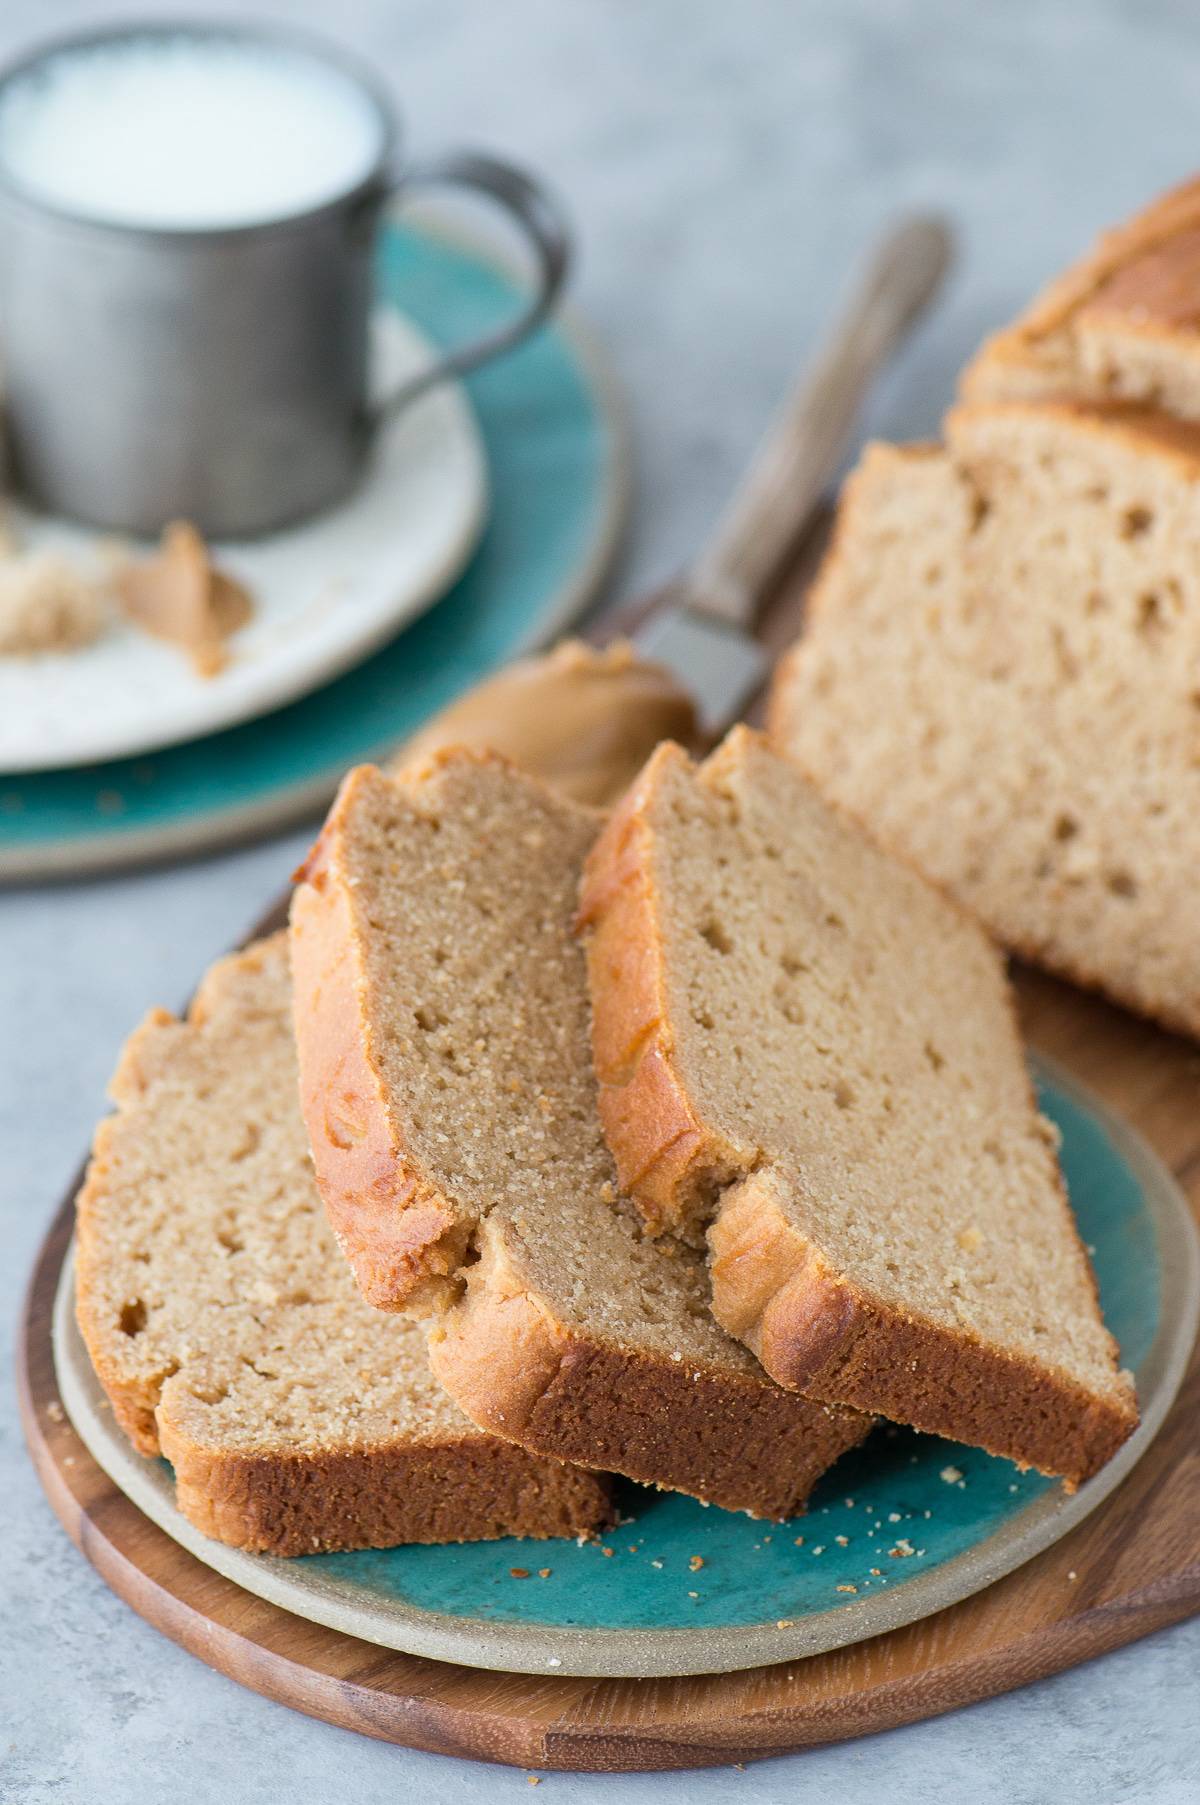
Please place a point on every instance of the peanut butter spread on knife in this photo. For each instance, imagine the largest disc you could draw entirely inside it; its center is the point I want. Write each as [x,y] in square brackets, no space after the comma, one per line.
[584,720]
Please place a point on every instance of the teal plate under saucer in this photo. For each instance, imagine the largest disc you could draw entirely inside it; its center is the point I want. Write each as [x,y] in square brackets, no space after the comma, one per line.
[557,475]
[904,1526]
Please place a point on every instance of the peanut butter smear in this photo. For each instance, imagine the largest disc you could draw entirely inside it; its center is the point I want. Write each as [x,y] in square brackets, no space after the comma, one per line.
[583,720]
[178,594]
[1161,287]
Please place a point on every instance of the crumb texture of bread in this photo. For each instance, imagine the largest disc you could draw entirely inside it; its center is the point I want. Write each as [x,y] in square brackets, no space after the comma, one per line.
[228,1332]
[439,906]
[413,981]
[839,1100]
[999,677]
[1118,327]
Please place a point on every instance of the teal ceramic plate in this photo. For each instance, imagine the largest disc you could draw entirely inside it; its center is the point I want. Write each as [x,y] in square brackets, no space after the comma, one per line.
[557,475]
[902,1527]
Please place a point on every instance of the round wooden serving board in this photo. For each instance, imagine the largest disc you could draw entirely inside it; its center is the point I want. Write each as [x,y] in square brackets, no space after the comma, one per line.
[1130,1568]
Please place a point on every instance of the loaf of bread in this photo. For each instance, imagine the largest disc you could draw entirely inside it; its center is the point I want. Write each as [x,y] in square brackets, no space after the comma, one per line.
[442,1027]
[811,1055]
[1122,326]
[228,1333]
[1001,677]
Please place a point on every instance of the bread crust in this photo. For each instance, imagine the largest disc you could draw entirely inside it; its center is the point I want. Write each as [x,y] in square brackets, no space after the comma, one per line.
[813,1330]
[818,1332]
[667,1158]
[404,1240]
[471,1490]
[663,1421]
[1130,426]
[1037,352]
[133,1399]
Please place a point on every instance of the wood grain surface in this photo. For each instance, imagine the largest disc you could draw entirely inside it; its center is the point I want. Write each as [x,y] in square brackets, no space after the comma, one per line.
[1132,1567]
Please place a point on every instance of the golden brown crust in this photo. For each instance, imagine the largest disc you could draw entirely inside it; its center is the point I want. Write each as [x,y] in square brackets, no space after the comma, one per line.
[664,1153]
[1136,282]
[474,1489]
[1155,294]
[668,1422]
[1170,215]
[133,1399]
[813,1329]
[403,1239]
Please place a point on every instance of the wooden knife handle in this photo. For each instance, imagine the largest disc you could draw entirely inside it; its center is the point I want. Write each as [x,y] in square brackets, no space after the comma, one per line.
[800,456]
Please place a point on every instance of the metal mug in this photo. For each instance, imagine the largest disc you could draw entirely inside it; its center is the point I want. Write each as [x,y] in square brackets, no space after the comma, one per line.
[218,375]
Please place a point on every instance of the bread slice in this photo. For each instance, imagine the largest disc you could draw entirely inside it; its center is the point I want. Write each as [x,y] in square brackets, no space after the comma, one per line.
[228,1334]
[1120,326]
[442,1025]
[805,1049]
[1001,678]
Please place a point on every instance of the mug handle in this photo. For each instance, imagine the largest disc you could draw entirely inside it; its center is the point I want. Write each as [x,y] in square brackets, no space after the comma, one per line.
[528,204]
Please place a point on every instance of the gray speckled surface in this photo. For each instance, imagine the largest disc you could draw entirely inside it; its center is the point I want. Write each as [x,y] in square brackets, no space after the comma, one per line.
[724,163]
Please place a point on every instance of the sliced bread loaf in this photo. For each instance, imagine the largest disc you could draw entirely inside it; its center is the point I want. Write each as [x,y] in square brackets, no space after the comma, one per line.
[1120,326]
[807,1051]
[228,1333]
[1001,678]
[442,1025]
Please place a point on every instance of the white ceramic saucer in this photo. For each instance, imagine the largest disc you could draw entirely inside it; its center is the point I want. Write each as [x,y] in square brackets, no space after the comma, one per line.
[326,594]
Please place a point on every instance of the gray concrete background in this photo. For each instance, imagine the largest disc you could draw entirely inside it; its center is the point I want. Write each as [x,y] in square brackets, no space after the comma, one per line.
[724,164]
